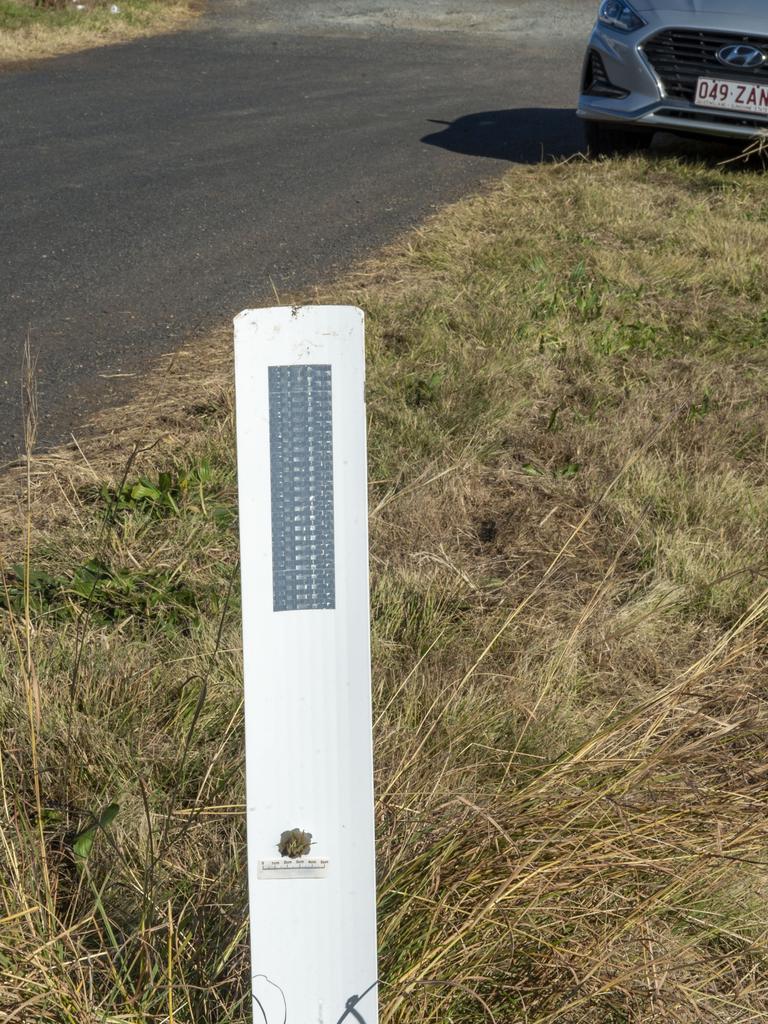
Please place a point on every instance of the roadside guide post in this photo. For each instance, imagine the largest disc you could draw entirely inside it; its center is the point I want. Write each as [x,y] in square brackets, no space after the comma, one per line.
[301,450]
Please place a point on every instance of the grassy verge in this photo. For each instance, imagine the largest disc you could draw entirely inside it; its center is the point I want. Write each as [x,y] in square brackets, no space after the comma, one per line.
[569,502]
[30,30]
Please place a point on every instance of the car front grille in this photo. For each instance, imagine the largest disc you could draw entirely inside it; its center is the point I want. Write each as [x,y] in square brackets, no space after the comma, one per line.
[681,56]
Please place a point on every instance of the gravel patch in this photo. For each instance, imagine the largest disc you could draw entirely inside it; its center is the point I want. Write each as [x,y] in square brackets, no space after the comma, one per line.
[513,19]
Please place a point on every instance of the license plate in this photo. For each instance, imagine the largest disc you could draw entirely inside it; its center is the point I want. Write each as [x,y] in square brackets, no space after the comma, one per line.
[740,96]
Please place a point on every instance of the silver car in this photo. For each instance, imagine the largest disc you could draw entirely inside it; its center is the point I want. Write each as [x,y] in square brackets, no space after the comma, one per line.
[692,66]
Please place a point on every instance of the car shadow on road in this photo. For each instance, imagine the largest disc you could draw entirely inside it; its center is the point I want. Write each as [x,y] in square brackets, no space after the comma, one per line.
[526,135]
[532,135]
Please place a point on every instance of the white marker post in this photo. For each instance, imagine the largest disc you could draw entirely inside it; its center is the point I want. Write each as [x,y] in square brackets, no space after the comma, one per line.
[301,447]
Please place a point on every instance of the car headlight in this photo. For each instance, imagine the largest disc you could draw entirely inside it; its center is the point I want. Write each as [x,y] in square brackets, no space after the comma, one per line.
[619,14]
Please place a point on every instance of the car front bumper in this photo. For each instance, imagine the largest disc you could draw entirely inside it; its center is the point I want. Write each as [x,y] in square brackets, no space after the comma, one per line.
[647,103]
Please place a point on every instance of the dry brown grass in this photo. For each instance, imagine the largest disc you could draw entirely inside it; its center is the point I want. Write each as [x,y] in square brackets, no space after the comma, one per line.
[567,394]
[29,32]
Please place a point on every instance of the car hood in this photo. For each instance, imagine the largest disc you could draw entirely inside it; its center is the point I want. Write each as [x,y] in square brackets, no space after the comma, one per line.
[741,8]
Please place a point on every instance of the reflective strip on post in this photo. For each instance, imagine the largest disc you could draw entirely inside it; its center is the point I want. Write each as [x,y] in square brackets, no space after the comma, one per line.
[300,374]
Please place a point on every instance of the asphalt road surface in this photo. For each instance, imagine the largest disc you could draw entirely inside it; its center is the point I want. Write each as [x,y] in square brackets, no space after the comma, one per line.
[150,190]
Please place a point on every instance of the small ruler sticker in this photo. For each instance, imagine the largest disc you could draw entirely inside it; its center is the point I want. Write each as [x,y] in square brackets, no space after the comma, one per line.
[304,867]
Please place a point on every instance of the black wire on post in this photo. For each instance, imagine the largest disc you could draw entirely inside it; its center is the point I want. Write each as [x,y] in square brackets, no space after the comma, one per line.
[258,1001]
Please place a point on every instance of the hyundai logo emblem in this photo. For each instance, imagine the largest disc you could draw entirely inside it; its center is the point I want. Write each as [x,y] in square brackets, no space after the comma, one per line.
[741,56]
